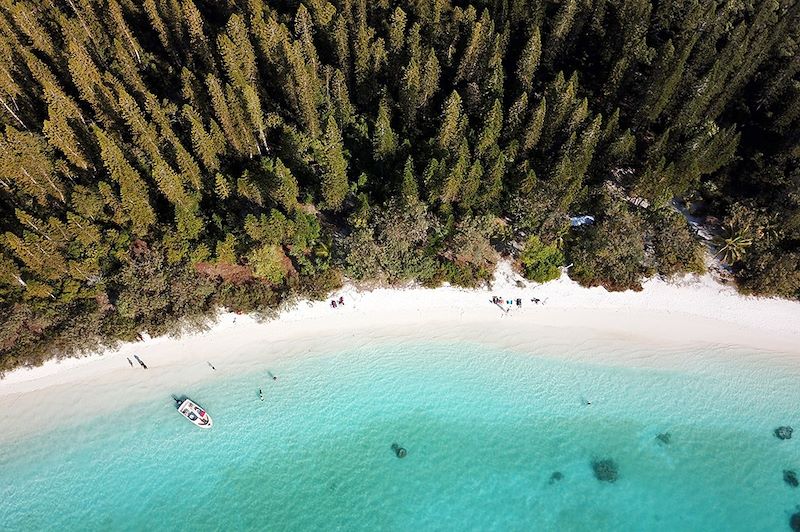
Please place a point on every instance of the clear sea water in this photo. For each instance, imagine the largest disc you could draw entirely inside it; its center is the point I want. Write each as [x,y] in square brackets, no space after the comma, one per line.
[484,431]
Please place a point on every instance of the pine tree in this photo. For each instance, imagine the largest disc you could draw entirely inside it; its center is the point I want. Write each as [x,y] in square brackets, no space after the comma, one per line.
[611,128]
[189,225]
[529,60]
[621,149]
[87,78]
[304,90]
[561,99]
[240,118]
[122,28]
[380,58]
[239,60]
[491,130]
[283,187]
[431,71]
[26,160]
[560,28]
[585,148]
[132,188]
[362,55]
[409,190]
[144,133]
[203,143]
[222,187]
[169,183]
[11,93]
[323,12]
[223,113]
[158,24]
[334,167]
[472,182]
[414,41]
[469,68]
[579,113]
[10,275]
[173,16]
[564,180]
[533,131]
[492,184]
[304,30]
[189,169]
[250,189]
[61,135]
[453,123]
[455,175]
[341,48]
[384,139]
[430,178]
[397,29]
[39,255]
[340,99]
[663,82]
[89,23]
[410,92]
[516,115]
[198,42]
[28,20]
[127,68]
[225,251]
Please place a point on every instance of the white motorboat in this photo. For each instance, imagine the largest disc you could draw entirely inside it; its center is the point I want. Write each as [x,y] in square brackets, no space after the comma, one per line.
[194,413]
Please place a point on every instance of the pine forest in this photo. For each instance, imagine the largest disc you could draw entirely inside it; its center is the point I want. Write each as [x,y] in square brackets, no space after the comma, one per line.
[163,159]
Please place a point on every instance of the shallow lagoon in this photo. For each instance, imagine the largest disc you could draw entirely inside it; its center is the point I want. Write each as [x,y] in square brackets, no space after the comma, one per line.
[484,429]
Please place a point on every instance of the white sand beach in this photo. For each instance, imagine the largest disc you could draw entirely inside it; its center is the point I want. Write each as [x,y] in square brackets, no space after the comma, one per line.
[674,320]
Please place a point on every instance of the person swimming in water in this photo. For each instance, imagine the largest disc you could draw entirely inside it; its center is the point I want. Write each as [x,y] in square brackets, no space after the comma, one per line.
[261,394]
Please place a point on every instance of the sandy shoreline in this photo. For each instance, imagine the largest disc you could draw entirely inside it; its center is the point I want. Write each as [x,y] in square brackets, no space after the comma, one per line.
[666,318]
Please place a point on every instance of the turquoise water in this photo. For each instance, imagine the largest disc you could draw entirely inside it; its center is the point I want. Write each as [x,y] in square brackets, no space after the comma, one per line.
[484,431]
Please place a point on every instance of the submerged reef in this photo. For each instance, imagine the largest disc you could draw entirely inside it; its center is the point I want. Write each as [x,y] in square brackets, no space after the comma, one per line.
[605,470]
[664,438]
[790,477]
[794,521]
[556,476]
[784,433]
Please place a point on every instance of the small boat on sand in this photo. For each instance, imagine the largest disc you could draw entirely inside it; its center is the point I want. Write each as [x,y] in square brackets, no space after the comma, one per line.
[194,413]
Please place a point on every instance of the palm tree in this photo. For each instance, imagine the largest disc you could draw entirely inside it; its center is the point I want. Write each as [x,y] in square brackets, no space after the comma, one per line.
[739,232]
[732,245]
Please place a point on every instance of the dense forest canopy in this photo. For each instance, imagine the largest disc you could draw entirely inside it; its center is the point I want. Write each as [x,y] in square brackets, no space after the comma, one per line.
[162,158]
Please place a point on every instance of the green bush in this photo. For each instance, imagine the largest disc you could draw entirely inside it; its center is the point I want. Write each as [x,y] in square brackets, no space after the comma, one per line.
[610,253]
[775,273]
[540,262]
[675,246]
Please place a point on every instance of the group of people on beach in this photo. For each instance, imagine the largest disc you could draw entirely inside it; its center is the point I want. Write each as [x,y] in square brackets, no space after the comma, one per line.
[507,304]
[497,300]
[335,303]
